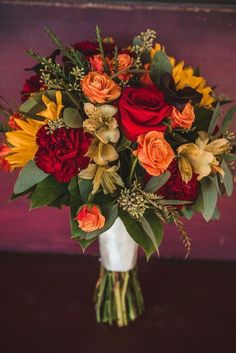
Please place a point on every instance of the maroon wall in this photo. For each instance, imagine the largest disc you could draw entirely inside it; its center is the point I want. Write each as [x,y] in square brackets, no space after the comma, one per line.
[200,36]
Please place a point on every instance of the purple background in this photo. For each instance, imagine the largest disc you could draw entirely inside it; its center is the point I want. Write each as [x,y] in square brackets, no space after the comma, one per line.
[201,37]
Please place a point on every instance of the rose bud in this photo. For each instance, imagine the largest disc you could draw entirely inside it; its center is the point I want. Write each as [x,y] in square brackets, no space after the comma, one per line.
[90,218]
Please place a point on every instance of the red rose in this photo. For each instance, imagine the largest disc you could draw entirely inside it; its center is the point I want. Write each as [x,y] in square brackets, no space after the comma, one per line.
[61,153]
[142,110]
[31,85]
[176,189]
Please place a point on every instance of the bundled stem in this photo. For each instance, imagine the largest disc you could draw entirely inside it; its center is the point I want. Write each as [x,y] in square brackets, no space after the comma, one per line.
[118,297]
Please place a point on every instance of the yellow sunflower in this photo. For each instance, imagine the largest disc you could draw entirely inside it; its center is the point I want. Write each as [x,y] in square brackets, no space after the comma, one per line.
[23,140]
[184,76]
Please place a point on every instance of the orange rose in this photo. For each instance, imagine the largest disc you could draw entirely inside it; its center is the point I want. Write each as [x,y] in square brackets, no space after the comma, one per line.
[100,88]
[154,152]
[124,62]
[4,151]
[90,218]
[184,119]
[96,63]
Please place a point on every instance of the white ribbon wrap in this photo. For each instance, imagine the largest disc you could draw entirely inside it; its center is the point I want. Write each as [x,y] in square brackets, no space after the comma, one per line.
[118,250]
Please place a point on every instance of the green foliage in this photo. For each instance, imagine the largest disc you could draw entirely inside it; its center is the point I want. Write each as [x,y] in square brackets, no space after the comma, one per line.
[227,179]
[47,191]
[29,176]
[72,118]
[4,127]
[136,231]
[85,189]
[214,119]
[101,50]
[226,122]
[160,65]
[123,144]
[34,104]
[153,227]
[156,182]
[209,194]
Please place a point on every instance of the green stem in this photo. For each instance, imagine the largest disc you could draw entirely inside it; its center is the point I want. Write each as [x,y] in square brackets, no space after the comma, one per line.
[132,171]
[72,96]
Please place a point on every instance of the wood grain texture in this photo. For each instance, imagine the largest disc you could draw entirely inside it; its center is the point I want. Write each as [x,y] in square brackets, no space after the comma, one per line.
[201,38]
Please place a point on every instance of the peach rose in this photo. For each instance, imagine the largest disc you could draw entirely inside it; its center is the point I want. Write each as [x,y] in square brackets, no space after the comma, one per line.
[100,88]
[4,151]
[90,218]
[96,63]
[154,152]
[184,119]
[124,62]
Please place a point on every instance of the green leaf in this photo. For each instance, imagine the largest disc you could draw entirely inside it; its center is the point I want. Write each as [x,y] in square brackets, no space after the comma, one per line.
[123,144]
[153,227]
[160,65]
[29,176]
[85,243]
[73,186]
[28,105]
[198,205]
[229,157]
[209,194]
[227,179]
[85,188]
[47,191]
[72,118]
[135,230]
[226,121]
[176,202]
[156,182]
[187,212]
[214,119]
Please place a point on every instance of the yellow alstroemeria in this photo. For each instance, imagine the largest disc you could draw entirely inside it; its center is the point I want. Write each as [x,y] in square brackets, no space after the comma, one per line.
[102,176]
[200,157]
[23,142]
[53,110]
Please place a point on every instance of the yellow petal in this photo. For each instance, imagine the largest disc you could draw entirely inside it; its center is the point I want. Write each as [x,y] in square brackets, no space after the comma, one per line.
[185,169]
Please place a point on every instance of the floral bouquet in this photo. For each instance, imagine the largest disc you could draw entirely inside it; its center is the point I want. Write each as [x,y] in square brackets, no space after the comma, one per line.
[129,139]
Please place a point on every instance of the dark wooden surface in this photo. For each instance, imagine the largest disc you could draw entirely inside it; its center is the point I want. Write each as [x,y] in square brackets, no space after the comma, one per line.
[46,307]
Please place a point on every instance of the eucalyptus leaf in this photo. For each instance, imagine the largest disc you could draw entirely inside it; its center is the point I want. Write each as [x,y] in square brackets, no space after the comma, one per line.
[187,212]
[160,65]
[176,202]
[209,193]
[226,122]
[72,118]
[156,182]
[214,119]
[227,179]
[135,230]
[29,176]
[153,227]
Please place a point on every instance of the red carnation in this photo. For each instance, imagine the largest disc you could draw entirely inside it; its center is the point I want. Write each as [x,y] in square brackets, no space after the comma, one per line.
[31,85]
[142,110]
[176,188]
[62,153]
